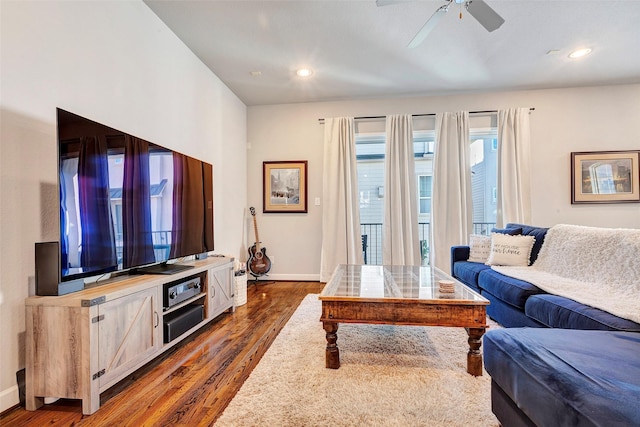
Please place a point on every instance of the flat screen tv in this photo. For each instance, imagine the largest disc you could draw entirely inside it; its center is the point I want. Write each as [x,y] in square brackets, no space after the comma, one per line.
[126,203]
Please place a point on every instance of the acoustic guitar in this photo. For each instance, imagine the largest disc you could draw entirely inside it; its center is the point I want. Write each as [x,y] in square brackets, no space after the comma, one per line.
[258,263]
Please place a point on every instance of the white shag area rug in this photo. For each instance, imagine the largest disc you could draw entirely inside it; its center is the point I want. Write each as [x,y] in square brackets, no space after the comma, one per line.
[389,376]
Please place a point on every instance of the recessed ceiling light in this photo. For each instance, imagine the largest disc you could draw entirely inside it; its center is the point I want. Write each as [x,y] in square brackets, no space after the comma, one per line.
[580,53]
[304,72]
[256,73]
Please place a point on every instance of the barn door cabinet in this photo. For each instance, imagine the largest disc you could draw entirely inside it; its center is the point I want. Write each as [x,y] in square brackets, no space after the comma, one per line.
[79,345]
[221,289]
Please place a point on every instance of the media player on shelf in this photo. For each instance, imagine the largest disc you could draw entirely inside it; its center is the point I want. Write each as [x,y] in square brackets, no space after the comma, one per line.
[182,290]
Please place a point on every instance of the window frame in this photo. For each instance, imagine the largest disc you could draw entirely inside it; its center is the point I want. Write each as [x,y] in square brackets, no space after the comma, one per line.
[421,197]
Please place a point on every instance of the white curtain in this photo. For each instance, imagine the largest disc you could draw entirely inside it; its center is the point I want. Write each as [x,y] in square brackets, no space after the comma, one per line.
[400,236]
[341,238]
[514,171]
[451,209]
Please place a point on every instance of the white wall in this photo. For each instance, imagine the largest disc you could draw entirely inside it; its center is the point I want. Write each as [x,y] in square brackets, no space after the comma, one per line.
[564,120]
[118,64]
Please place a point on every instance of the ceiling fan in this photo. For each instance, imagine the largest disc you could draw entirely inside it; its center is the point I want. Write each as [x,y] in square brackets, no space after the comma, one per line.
[484,14]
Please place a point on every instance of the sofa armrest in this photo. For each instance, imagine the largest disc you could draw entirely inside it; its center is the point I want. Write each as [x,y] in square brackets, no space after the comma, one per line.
[458,253]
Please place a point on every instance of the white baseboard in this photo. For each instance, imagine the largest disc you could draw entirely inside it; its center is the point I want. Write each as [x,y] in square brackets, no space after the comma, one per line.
[288,277]
[9,398]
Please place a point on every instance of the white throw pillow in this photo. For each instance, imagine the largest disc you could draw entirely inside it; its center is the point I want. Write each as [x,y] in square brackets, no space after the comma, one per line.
[510,250]
[479,248]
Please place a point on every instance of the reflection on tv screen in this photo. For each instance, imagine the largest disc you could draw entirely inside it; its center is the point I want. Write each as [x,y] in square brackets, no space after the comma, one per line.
[126,202]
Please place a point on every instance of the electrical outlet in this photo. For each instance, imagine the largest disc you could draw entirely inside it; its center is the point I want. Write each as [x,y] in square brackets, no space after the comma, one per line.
[273,259]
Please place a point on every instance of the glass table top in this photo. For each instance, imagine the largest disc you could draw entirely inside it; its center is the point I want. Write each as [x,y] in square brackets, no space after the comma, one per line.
[376,282]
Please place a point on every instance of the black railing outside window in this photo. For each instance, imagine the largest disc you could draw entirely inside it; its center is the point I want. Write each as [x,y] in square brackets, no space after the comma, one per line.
[372,240]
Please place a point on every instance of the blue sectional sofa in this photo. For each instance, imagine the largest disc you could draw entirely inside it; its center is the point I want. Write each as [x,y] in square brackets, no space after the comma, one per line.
[558,362]
[516,303]
[560,377]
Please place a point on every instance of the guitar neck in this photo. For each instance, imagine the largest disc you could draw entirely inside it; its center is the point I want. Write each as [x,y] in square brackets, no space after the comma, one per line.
[255,230]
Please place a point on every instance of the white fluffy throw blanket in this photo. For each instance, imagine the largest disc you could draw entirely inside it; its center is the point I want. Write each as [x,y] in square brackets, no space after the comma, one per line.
[599,267]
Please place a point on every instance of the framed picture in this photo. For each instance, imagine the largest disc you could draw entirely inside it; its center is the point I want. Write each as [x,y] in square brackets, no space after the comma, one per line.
[284,186]
[605,177]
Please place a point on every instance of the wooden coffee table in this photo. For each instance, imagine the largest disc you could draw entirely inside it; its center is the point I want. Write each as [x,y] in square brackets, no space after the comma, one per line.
[400,295]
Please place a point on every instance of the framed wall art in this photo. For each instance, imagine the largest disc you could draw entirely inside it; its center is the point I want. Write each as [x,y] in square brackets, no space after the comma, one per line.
[605,177]
[284,186]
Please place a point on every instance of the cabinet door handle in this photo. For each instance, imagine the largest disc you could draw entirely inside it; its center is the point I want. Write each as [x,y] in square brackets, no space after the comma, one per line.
[157,319]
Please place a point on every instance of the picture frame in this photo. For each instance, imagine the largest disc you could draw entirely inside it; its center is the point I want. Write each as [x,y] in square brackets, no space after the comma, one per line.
[284,186]
[605,177]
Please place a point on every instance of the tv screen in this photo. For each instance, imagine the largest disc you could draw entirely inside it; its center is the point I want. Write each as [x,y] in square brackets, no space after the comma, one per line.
[126,202]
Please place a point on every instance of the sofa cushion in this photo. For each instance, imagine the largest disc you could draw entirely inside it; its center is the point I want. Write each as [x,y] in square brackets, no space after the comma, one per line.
[537,232]
[508,289]
[567,377]
[508,315]
[560,312]
[467,272]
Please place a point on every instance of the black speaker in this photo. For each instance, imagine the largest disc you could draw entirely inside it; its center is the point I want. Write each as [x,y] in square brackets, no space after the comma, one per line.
[48,272]
[179,322]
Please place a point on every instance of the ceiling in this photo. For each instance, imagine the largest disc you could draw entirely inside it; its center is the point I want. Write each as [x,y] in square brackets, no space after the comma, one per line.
[359,50]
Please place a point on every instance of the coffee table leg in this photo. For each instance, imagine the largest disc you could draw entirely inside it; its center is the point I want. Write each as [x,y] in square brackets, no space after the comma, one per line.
[474,357]
[332,354]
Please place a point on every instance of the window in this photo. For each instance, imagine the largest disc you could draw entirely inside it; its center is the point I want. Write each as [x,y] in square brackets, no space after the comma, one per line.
[424,190]
[423,147]
[370,152]
[370,164]
[484,174]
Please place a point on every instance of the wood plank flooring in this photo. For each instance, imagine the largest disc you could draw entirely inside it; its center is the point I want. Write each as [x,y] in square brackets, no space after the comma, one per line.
[192,383]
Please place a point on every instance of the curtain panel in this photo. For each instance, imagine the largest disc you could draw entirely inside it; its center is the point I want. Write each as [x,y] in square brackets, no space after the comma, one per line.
[514,169]
[451,212]
[400,234]
[341,238]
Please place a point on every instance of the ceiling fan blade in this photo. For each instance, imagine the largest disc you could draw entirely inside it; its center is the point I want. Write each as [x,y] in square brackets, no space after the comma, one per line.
[483,13]
[428,26]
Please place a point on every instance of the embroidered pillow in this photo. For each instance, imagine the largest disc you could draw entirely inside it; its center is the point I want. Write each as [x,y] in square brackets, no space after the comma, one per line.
[479,248]
[510,250]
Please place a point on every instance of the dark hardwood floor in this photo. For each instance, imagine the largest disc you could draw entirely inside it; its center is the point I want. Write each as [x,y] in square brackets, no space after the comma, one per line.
[192,383]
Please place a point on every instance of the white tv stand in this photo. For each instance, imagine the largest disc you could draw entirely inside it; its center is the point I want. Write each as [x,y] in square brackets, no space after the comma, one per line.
[78,345]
